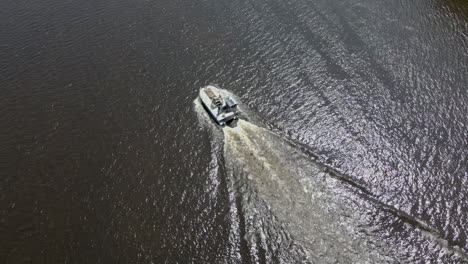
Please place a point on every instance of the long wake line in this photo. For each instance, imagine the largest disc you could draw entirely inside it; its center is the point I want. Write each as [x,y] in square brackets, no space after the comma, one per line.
[292,203]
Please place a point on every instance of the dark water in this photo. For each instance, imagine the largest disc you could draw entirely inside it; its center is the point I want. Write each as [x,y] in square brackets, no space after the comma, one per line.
[356,149]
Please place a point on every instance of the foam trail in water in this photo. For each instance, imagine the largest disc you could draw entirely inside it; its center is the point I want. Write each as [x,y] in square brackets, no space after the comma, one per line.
[290,209]
[280,183]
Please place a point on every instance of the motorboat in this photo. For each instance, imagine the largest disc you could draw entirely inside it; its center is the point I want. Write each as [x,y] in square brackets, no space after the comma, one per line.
[221,107]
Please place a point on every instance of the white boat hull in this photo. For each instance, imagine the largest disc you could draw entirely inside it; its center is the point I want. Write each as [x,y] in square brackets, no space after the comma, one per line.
[219,106]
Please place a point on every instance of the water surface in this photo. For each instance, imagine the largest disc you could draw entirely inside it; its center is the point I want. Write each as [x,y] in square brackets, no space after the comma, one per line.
[103,158]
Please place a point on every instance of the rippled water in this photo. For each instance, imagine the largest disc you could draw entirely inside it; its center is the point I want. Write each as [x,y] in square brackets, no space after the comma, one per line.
[355,147]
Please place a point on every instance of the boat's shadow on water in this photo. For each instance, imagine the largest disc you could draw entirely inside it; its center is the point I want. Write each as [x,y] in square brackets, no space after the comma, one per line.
[292,209]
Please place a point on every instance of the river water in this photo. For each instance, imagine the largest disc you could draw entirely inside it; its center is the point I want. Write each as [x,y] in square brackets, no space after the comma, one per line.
[353,147]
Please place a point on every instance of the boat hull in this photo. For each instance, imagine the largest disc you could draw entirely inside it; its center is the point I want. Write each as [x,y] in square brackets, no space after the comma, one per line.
[220,107]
